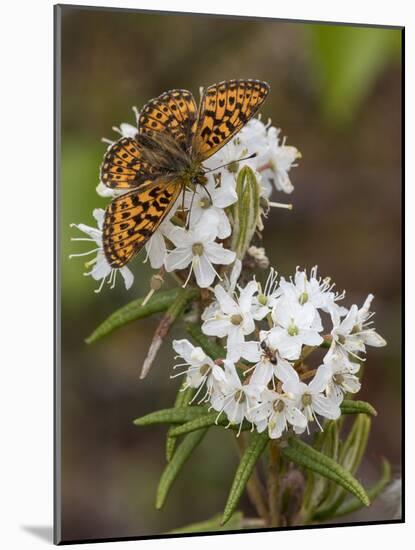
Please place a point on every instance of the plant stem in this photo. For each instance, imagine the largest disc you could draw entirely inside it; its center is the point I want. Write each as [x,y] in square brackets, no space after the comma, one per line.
[273,484]
[254,486]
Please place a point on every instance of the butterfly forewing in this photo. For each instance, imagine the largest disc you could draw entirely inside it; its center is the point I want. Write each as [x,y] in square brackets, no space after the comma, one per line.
[174,112]
[225,108]
[131,219]
[123,166]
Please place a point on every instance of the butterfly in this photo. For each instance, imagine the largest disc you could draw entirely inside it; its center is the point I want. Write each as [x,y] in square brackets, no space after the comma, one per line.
[166,156]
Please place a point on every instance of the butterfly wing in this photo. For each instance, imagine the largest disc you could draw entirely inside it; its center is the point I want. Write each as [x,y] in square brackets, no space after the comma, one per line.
[123,166]
[131,219]
[173,112]
[224,109]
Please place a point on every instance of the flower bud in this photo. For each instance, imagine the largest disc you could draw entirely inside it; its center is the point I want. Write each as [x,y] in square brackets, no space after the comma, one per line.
[246,211]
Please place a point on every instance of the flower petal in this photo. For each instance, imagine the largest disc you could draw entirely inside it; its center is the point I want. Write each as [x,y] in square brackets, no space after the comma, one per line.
[204,272]
[179,258]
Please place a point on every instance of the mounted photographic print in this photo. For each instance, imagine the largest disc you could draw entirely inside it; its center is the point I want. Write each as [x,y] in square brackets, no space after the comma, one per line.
[228,221]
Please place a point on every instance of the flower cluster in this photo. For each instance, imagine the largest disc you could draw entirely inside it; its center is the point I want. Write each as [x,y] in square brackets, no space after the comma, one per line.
[263,377]
[198,240]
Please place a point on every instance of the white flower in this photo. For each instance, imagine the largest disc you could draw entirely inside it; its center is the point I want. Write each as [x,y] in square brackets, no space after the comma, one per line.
[211,200]
[156,246]
[102,268]
[281,158]
[310,397]
[232,318]
[354,333]
[312,290]
[235,399]
[266,299]
[253,137]
[295,325]
[276,411]
[268,362]
[201,370]
[343,377]
[198,248]
[233,154]
[126,130]
[229,284]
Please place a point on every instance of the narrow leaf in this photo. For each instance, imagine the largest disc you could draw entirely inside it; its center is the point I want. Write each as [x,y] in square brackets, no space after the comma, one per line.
[326,442]
[170,416]
[244,471]
[161,301]
[349,406]
[213,350]
[206,421]
[373,492]
[307,457]
[350,456]
[183,452]
[212,524]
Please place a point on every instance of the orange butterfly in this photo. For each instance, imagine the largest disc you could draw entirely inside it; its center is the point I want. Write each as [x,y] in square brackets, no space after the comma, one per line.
[166,156]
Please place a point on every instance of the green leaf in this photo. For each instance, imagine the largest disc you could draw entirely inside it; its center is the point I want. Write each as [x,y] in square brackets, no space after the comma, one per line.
[170,416]
[210,347]
[302,454]
[347,61]
[172,470]
[183,398]
[161,301]
[354,504]
[212,524]
[326,442]
[350,406]
[207,421]
[244,471]
[350,456]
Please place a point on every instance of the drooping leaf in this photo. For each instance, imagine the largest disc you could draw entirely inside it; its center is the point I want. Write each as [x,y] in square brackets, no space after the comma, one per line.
[302,454]
[350,406]
[350,456]
[317,488]
[255,448]
[353,504]
[212,524]
[161,301]
[172,470]
[170,416]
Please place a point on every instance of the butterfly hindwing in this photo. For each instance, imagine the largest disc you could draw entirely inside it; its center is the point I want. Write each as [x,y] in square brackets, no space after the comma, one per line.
[224,109]
[131,219]
[123,166]
[174,112]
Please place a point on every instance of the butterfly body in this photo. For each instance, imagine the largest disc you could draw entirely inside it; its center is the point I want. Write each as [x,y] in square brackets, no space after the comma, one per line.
[166,156]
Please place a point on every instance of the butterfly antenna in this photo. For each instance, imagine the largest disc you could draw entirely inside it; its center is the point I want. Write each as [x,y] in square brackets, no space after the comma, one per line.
[232,162]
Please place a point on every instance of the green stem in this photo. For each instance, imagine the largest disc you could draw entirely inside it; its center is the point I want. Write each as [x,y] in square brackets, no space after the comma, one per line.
[273,484]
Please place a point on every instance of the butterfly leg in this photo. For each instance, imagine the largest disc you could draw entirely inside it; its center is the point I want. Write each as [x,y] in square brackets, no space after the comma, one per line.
[190,209]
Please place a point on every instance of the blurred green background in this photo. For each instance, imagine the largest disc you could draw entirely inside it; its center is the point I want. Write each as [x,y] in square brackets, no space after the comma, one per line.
[336,94]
